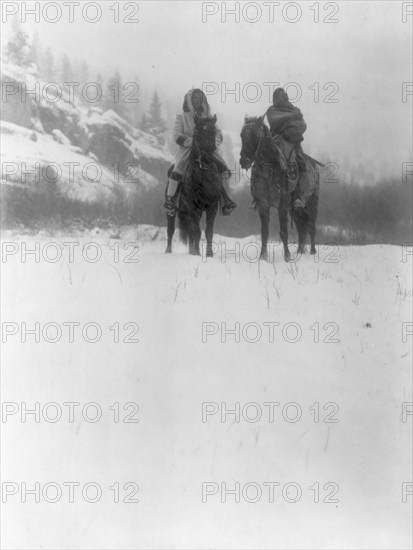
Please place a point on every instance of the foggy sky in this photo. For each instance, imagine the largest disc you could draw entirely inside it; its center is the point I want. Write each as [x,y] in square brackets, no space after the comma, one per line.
[366,55]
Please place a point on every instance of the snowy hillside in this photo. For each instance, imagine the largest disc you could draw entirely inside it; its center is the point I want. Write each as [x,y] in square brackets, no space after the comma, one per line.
[337,363]
[37,160]
[95,154]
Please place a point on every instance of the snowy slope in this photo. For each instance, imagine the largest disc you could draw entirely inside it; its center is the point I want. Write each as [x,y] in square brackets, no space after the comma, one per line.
[79,177]
[45,128]
[365,369]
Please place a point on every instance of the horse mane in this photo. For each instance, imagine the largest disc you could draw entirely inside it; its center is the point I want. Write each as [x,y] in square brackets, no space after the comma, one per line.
[204,137]
[255,126]
[250,122]
[210,119]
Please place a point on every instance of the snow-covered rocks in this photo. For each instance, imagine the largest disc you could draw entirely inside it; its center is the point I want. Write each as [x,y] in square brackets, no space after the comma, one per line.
[55,145]
[50,167]
[113,140]
[60,137]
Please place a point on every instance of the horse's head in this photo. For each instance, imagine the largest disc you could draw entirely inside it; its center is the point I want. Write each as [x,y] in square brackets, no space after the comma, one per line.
[251,135]
[205,132]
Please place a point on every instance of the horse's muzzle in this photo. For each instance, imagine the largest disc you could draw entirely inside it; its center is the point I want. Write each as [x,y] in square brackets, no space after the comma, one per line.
[245,163]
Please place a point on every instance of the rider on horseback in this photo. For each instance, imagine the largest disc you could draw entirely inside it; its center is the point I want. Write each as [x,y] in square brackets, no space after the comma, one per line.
[287,128]
[195,103]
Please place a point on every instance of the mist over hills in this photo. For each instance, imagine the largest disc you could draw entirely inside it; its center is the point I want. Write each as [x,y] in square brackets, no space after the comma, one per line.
[60,110]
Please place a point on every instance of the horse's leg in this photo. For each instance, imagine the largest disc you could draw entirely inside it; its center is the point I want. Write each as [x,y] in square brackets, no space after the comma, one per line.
[283,219]
[312,231]
[195,233]
[191,242]
[171,231]
[191,238]
[300,220]
[264,211]
[312,218]
[209,229]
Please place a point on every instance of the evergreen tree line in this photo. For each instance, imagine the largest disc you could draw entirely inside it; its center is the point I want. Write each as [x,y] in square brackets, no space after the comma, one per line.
[118,93]
[348,213]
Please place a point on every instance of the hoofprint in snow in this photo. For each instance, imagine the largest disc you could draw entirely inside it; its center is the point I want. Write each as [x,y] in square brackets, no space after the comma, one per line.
[327,338]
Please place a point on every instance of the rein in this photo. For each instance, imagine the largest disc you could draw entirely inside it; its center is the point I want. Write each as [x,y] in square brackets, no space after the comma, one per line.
[199,159]
[259,142]
[261,135]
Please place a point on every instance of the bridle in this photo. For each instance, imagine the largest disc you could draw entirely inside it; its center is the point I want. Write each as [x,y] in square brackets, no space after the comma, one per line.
[260,136]
[199,159]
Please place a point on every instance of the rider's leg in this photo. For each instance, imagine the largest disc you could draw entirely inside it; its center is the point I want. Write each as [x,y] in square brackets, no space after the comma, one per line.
[173,182]
[301,191]
[227,204]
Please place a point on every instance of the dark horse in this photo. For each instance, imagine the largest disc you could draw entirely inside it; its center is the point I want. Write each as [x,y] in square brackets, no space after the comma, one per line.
[199,190]
[269,187]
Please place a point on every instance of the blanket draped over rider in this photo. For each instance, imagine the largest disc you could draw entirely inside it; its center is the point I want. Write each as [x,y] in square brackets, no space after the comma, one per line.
[287,127]
[184,131]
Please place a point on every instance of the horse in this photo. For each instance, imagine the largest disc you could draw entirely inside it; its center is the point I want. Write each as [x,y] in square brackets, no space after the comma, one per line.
[199,190]
[269,187]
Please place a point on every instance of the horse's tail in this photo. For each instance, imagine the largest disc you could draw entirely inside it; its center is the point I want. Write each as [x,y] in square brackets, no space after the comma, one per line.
[183,226]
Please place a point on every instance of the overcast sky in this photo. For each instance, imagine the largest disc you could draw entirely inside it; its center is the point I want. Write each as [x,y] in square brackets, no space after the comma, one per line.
[366,56]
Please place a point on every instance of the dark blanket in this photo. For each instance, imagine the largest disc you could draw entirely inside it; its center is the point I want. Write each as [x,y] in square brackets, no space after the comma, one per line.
[285,119]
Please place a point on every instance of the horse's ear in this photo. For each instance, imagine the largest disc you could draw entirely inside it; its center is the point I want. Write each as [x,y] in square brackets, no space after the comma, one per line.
[246,118]
[261,119]
[214,119]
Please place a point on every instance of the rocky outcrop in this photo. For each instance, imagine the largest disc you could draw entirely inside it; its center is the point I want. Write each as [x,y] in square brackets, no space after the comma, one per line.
[113,141]
[18,107]
[105,135]
[62,161]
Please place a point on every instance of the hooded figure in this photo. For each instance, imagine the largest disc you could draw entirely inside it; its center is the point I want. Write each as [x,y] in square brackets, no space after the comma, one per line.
[195,102]
[285,119]
[287,127]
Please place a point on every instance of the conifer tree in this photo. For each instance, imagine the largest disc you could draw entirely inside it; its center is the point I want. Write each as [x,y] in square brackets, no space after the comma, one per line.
[114,97]
[155,120]
[18,47]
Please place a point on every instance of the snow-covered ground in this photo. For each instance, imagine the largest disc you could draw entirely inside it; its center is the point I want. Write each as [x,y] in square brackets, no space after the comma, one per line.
[353,366]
